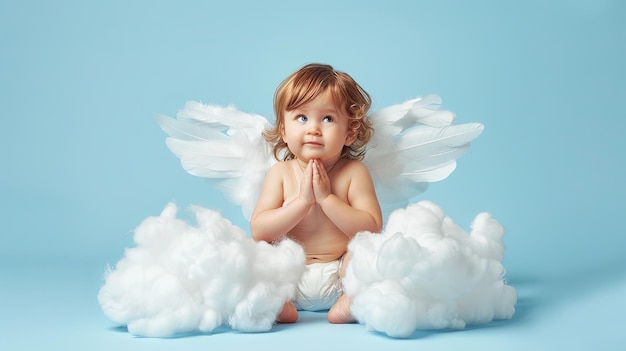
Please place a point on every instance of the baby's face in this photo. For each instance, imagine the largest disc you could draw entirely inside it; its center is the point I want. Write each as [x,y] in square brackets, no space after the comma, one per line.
[317,130]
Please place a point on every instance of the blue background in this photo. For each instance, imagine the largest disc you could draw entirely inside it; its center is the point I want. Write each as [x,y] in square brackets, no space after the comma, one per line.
[83,161]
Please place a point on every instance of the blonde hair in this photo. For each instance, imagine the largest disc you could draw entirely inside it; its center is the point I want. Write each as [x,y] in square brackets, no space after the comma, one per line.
[305,85]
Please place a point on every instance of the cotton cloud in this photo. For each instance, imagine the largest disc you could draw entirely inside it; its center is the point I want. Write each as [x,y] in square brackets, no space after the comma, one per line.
[425,272]
[422,272]
[183,278]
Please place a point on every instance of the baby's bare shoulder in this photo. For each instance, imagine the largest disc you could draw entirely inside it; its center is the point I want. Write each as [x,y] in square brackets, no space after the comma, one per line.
[354,167]
[280,167]
[276,173]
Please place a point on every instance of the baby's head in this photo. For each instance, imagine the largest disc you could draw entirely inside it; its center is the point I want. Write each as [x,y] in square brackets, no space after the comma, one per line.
[306,84]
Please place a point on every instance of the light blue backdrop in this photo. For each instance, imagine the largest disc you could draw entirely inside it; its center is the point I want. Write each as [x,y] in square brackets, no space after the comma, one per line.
[83,161]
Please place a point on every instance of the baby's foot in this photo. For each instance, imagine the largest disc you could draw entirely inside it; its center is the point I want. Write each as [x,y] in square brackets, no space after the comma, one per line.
[340,312]
[289,314]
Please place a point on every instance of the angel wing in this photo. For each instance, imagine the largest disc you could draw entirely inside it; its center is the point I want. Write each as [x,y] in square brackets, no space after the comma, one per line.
[223,145]
[414,143]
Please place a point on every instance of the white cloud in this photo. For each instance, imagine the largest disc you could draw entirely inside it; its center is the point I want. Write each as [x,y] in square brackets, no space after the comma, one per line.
[184,278]
[425,272]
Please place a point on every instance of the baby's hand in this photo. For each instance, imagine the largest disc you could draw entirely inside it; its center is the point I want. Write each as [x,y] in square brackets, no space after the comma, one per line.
[306,186]
[321,182]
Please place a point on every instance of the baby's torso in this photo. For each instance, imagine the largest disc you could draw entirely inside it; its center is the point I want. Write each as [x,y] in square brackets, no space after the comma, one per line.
[321,239]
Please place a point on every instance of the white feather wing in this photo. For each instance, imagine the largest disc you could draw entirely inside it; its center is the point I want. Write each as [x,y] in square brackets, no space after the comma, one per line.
[223,145]
[414,143]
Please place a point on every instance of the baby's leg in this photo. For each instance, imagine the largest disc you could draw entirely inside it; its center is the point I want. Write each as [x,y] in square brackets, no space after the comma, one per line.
[289,314]
[340,312]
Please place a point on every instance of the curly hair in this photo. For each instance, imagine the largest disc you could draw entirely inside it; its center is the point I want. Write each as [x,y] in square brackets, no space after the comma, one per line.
[306,84]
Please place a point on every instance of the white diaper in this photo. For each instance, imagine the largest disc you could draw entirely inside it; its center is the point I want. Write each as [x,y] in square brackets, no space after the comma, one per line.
[320,286]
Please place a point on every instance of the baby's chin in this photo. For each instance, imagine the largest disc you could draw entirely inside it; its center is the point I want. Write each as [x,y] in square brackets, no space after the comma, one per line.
[324,159]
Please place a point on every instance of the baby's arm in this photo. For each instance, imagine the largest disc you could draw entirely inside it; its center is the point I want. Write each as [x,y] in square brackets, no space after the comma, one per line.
[362,212]
[270,218]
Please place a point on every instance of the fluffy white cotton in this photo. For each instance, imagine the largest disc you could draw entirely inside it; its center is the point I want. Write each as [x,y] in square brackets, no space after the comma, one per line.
[183,278]
[424,272]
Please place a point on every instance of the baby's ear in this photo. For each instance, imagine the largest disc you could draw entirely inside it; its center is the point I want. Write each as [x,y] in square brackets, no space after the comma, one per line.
[351,137]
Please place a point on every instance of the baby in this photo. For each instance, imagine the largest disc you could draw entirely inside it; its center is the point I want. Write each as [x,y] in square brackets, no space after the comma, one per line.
[320,195]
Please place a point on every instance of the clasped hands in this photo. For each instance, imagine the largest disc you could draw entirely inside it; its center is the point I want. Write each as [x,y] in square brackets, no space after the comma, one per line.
[315,184]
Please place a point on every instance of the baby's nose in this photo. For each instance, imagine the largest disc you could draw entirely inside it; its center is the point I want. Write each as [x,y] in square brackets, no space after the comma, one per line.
[314,129]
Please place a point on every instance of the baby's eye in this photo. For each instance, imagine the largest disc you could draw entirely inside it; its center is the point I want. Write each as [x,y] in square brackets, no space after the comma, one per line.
[328,119]
[301,118]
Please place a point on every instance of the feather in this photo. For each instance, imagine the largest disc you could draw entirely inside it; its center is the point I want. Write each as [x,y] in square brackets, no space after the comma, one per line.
[415,143]
[428,138]
[223,145]
[423,110]
[187,129]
